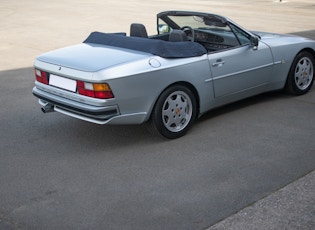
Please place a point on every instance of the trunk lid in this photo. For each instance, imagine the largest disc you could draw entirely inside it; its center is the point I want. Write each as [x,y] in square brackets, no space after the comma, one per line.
[90,57]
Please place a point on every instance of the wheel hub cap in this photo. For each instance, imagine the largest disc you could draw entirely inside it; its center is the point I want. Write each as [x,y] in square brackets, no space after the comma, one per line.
[177,111]
[304,72]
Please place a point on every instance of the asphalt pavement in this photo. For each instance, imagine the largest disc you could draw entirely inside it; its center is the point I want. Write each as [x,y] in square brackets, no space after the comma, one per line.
[249,165]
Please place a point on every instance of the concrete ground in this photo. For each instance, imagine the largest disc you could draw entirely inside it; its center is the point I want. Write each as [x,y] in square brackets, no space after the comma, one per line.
[29,28]
[292,207]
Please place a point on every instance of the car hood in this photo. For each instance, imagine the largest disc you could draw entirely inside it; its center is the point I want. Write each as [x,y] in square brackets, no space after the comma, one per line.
[275,41]
[290,38]
[267,35]
[91,57]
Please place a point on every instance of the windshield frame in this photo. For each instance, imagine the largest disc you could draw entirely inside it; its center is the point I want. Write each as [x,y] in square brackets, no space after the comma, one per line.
[172,19]
[217,19]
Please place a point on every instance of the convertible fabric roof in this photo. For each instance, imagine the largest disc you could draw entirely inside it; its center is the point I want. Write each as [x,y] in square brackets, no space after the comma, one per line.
[157,47]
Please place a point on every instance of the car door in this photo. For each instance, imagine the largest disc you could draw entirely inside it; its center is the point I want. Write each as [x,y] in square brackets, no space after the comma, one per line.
[241,69]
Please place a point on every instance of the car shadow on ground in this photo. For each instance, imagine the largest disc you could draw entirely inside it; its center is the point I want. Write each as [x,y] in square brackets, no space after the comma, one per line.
[245,103]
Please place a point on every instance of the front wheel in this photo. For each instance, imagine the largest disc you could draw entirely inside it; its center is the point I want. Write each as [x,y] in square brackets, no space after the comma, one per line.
[174,112]
[301,75]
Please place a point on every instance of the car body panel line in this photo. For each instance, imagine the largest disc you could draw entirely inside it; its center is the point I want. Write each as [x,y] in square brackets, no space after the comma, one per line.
[244,71]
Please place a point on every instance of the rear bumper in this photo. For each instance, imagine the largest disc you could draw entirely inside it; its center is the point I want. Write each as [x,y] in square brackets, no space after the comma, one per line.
[78,109]
[71,105]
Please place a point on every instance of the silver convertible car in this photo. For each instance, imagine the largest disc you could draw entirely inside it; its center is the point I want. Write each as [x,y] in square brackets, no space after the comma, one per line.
[195,62]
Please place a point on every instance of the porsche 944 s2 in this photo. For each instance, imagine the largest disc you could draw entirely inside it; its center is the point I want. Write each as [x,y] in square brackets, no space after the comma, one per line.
[195,62]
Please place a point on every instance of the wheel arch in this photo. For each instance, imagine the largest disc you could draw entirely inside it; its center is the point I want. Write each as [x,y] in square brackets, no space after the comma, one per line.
[307,50]
[190,86]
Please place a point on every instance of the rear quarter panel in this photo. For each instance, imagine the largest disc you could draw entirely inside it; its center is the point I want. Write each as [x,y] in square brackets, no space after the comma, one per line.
[137,85]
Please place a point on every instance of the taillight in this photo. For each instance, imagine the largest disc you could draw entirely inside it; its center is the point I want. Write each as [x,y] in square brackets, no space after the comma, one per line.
[95,90]
[41,76]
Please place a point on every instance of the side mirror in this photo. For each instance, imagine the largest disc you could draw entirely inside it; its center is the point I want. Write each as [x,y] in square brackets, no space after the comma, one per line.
[254,42]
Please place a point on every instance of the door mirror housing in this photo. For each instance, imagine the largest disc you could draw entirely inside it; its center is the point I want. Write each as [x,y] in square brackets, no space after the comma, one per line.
[254,41]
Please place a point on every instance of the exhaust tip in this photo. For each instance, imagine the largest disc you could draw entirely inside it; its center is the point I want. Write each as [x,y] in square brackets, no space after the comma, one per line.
[47,108]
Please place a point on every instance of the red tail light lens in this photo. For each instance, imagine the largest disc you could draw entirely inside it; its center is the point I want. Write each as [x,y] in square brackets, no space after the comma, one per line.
[41,76]
[102,91]
[95,90]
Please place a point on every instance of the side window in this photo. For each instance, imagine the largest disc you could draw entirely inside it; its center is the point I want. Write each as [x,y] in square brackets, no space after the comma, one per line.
[216,37]
[242,36]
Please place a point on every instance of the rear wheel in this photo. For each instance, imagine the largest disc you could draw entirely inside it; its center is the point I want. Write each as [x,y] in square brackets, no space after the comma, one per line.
[174,112]
[301,75]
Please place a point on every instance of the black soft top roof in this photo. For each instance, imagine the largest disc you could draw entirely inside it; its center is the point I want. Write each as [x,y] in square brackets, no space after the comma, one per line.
[157,47]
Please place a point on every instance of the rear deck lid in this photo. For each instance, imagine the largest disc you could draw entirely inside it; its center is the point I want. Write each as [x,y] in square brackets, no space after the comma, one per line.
[91,57]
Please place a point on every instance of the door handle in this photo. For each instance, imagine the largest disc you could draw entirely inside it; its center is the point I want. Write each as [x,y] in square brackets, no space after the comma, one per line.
[218,63]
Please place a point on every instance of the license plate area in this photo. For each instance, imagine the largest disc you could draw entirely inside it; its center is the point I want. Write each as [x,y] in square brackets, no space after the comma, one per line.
[63,83]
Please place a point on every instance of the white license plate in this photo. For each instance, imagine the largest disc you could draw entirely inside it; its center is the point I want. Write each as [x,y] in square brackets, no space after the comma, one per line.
[63,83]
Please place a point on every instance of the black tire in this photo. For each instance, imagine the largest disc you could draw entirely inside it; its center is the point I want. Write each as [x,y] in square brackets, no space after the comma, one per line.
[174,112]
[301,75]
